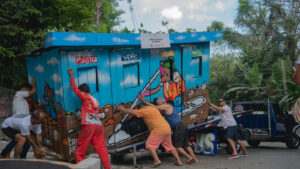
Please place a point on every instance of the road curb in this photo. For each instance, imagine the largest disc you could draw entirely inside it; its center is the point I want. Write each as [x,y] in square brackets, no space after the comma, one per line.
[91,162]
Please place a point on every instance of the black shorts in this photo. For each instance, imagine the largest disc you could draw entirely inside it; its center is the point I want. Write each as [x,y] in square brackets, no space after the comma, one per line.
[10,132]
[180,138]
[232,132]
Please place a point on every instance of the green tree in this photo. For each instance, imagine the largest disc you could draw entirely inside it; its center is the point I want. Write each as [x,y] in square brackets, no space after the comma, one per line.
[24,24]
[251,87]
[224,72]
[189,30]
[272,31]
[171,30]
[274,87]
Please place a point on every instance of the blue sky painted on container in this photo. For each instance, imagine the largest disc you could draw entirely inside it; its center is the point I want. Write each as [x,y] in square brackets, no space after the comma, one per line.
[180,14]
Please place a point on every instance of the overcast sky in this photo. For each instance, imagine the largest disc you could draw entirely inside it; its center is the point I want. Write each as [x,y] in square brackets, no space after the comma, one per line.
[180,14]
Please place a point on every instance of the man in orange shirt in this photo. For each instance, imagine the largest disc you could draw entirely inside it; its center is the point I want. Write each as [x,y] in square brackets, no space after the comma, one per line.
[160,131]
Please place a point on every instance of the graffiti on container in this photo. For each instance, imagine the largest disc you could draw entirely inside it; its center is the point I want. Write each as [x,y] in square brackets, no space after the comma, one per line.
[56,135]
[71,131]
[206,143]
[86,59]
[72,145]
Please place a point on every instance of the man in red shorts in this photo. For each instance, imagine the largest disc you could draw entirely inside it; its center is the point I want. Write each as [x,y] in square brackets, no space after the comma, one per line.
[91,129]
[160,131]
[180,137]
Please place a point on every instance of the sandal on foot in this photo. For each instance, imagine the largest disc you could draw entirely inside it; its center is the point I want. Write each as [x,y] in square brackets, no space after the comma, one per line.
[155,165]
[234,156]
[243,155]
[189,161]
[178,164]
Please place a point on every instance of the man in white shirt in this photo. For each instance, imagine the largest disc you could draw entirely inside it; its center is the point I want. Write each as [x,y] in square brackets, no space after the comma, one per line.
[296,77]
[20,106]
[230,125]
[18,128]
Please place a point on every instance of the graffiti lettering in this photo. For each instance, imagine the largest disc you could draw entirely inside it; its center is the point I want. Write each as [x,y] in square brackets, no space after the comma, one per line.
[130,56]
[86,59]
[72,145]
[167,53]
[205,143]
[197,52]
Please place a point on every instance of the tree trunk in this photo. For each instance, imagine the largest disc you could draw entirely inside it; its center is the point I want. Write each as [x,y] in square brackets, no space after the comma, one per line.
[98,12]
[284,81]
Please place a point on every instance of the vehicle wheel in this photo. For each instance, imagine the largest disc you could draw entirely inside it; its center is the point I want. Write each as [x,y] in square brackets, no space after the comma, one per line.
[253,143]
[229,149]
[292,141]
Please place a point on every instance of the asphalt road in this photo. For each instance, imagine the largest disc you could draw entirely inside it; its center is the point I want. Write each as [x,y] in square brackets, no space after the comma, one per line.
[266,156]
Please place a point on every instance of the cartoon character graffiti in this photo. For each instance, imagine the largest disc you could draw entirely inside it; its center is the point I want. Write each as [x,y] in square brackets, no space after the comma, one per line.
[126,130]
[49,97]
[173,84]
[54,108]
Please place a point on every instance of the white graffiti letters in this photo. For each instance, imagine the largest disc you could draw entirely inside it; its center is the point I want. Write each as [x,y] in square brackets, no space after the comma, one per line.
[130,56]
[72,145]
[205,143]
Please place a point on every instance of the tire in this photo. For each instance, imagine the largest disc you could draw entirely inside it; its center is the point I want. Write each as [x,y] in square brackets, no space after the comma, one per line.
[229,149]
[253,143]
[292,141]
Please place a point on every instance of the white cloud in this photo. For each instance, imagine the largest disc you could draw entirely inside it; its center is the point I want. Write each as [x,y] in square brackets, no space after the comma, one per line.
[152,5]
[195,13]
[73,37]
[39,68]
[194,61]
[89,77]
[117,62]
[119,40]
[49,40]
[59,91]
[191,6]
[180,37]
[56,78]
[202,38]
[189,77]
[130,80]
[53,61]
[104,78]
[172,13]
[218,35]
[193,35]
[29,79]
[146,9]
[205,58]
[220,6]
[196,17]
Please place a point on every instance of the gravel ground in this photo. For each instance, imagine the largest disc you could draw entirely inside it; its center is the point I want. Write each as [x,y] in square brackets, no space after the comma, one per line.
[266,156]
